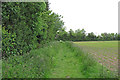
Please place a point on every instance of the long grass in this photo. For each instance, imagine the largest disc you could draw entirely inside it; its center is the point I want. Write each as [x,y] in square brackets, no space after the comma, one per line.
[90,67]
[38,63]
[105,52]
[30,65]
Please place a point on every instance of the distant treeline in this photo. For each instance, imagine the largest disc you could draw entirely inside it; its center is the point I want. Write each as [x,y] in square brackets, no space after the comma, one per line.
[81,35]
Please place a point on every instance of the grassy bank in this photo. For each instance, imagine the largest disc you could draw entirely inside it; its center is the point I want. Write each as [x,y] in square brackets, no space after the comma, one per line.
[90,67]
[54,60]
[31,65]
[105,52]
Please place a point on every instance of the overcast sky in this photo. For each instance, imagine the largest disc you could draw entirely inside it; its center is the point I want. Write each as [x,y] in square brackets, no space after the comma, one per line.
[96,16]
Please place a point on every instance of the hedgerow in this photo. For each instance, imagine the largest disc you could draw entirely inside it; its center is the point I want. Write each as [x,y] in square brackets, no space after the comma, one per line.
[8,41]
[28,24]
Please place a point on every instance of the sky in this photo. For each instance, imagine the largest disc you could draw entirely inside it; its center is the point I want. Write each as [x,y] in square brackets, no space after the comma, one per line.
[96,16]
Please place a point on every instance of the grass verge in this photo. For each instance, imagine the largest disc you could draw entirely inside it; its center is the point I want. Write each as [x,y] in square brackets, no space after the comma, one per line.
[90,67]
[30,65]
[39,63]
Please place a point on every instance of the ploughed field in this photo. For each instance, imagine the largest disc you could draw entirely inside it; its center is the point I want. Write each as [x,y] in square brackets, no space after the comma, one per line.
[105,52]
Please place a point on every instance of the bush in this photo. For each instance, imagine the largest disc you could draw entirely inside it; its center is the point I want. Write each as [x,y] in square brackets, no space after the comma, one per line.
[29,23]
[8,43]
[19,26]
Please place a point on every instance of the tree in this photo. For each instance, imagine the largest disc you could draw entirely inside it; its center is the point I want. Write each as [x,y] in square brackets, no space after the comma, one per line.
[91,36]
[71,35]
[80,34]
[62,34]
[118,36]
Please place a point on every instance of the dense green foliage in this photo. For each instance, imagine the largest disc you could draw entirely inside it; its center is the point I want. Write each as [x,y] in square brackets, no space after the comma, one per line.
[81,35]
[9,43]
[39,63]
[35,64]
[27,24]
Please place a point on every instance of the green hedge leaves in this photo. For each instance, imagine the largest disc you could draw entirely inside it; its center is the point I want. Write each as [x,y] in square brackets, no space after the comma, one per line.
[28,24]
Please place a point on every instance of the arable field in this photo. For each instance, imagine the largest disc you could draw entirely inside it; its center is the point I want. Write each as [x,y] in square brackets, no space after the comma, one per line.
[105,52]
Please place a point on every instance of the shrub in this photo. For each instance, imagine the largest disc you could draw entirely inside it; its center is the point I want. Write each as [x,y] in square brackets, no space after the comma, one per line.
[19,30]
[9,43]
[29,23]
